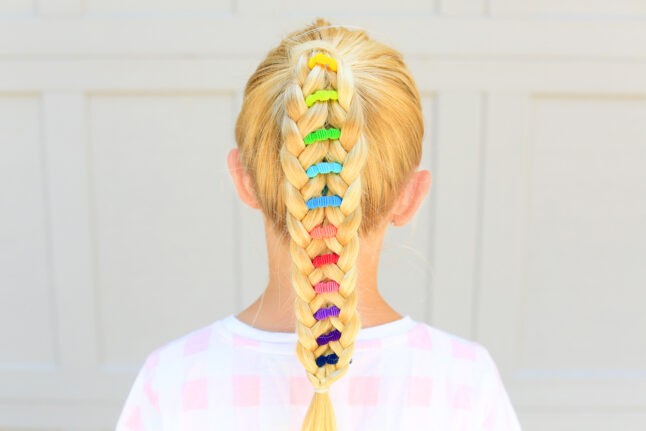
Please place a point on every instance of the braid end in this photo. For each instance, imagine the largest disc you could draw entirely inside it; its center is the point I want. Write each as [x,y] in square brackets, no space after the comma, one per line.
[320,415]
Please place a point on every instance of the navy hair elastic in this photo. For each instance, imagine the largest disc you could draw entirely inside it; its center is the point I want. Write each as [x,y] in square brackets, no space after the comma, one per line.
[327,359]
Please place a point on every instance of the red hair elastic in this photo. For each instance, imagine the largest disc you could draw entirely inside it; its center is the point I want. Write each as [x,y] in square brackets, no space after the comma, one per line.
[325,259]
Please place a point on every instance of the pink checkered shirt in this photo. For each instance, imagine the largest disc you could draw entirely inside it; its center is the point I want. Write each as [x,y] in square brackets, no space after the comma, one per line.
[405,375]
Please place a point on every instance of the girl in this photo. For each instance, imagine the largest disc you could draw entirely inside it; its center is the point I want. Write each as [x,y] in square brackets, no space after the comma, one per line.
[329,140]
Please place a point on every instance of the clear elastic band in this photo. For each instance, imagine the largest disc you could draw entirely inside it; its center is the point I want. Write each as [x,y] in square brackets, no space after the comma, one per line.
[320,390]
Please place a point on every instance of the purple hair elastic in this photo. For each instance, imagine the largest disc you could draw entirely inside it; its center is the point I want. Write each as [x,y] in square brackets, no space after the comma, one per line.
[324,313]
[326,338]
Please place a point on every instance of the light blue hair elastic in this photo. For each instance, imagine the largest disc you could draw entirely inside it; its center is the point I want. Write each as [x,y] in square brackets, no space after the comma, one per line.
[324,168]
[324,201]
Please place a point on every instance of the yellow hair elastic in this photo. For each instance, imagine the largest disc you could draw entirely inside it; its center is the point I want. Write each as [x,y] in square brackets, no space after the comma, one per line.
[324,60]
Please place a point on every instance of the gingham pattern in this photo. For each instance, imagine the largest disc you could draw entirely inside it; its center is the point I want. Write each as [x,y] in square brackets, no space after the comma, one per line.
[405,375]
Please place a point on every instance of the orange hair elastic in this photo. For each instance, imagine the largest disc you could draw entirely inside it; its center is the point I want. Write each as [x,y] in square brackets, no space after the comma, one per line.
[320,232]
[323,60]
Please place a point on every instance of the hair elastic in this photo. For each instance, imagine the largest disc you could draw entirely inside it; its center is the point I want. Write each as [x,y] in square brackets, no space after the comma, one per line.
[324,313]
[324,168]
[324,201]
[326,338]
[322,135]
[321,96]
[325,259]
[320,391]
[323,60]
[329,359]
[326,231]
[326,286]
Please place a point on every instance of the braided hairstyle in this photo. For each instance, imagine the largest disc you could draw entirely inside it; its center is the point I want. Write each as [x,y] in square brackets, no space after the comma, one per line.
[332,120]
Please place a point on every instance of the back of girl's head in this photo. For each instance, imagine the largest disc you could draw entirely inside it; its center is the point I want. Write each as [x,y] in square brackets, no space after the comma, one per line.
[329,131]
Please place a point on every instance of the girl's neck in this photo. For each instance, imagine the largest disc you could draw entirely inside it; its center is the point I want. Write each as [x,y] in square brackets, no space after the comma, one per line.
[274,309]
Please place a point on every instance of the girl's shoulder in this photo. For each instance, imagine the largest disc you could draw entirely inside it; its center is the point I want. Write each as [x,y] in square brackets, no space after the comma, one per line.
[188,347]
[449,345]
[444,356]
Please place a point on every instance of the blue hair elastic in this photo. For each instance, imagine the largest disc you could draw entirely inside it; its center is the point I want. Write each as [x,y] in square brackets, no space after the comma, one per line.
[324,201]
[324,168]
[329,359]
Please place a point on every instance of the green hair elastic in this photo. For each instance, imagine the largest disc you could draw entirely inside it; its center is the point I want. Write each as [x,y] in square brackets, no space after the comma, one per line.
[321,96]
[322,135]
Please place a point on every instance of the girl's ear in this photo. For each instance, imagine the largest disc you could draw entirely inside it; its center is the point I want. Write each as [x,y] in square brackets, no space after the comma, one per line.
[241,180]
[411,197]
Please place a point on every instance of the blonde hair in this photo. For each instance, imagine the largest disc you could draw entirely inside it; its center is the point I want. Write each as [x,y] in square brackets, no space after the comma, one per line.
[377,109]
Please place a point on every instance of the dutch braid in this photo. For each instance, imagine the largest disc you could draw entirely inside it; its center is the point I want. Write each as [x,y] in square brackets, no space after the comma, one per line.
[323,217]
[317,102]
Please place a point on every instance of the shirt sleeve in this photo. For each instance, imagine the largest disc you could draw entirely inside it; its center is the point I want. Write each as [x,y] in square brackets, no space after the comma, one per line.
[498,412]
[141,410]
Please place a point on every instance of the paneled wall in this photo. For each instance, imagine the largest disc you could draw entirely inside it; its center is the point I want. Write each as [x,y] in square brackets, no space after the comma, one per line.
[120,229]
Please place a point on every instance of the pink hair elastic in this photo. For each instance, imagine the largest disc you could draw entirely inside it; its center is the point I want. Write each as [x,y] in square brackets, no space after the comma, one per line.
[320,232]
[326,286]
[325,259]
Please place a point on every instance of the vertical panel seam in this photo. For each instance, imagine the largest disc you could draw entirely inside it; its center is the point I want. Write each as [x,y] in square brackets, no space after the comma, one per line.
[477,254]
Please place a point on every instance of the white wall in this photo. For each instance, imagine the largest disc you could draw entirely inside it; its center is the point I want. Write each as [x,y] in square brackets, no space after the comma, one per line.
[119,228]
